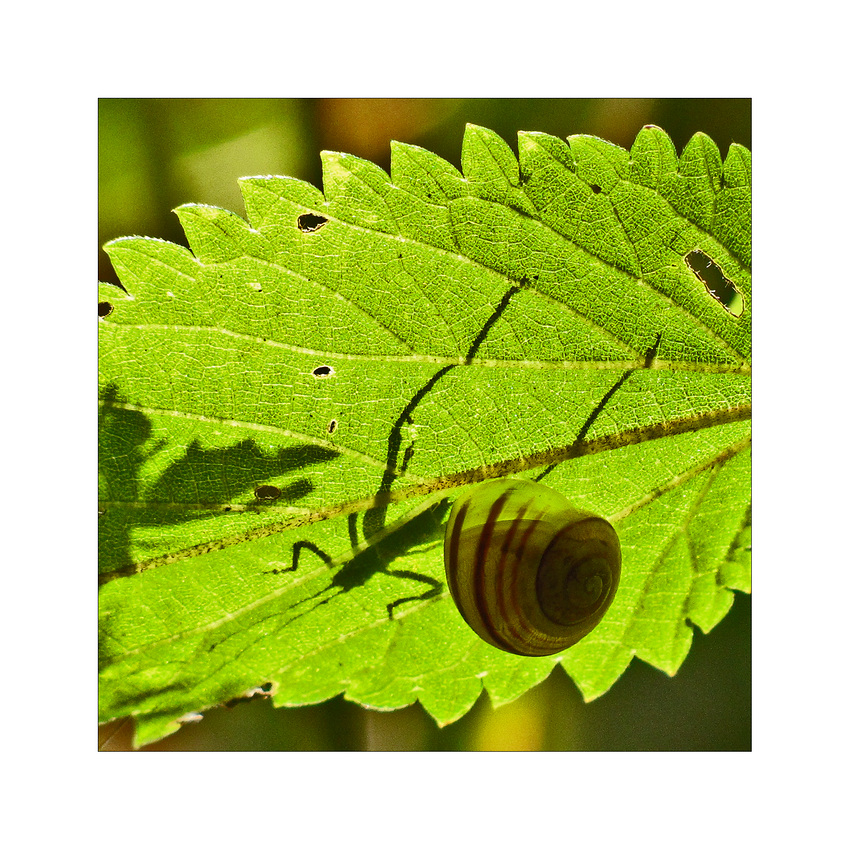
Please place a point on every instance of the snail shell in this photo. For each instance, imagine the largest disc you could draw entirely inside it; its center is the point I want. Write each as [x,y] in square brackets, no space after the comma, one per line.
[530,573]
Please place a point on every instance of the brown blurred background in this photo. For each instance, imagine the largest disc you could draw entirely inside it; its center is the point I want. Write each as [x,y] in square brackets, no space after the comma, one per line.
[155,154]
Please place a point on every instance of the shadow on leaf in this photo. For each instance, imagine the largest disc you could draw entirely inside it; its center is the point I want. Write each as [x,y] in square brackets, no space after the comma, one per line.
[423,528]
[200,483]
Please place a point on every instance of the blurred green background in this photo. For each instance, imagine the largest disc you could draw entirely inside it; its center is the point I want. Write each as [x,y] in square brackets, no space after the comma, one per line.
[155,154]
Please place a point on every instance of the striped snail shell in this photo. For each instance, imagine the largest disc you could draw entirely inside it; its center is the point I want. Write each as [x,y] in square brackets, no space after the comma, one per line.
[530,573]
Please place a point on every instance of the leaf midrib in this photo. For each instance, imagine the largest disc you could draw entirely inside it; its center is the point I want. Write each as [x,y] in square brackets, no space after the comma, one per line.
[447,482]
[743,368]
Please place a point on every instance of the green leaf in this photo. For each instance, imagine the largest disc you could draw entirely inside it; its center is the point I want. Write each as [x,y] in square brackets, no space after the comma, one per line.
[288,408]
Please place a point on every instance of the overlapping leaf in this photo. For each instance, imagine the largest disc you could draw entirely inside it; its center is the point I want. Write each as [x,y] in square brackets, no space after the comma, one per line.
[277,403]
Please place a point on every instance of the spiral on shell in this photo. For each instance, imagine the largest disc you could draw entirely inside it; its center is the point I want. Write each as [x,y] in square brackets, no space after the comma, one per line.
[530,573]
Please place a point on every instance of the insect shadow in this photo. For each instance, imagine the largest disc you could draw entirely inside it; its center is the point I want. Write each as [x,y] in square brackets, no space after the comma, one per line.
[376,557]
[423,527]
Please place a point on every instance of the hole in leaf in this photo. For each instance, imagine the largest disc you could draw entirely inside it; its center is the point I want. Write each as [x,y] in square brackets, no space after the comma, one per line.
[267,491]
[322,372]
[715,282]
[596,189]
[332,426]
[309,222]
[104,308]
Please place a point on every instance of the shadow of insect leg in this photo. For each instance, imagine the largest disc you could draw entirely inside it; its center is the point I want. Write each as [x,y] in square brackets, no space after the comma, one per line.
[296,554]
[436,588]
[297,548]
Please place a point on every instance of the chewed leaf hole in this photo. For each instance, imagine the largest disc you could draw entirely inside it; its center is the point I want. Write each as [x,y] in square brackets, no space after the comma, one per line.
[104,308]
[309,222]
[267,492]
[715,282]
[322,372]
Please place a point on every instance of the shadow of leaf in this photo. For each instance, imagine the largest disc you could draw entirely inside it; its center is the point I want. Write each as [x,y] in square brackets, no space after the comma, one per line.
[199,479]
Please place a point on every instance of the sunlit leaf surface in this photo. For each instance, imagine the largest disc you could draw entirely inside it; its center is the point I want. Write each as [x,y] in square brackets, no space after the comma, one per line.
[288,409]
